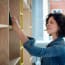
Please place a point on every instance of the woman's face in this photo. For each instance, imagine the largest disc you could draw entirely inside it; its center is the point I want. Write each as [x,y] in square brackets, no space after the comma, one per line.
[52,27]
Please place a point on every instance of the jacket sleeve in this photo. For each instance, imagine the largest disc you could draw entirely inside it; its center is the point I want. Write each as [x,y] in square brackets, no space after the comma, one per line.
[45,52]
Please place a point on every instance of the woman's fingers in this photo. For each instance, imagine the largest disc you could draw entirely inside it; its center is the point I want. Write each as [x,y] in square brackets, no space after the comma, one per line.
[15,23]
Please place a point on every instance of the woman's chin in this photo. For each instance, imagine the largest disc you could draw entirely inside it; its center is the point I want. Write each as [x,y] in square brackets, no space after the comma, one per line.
[49,33]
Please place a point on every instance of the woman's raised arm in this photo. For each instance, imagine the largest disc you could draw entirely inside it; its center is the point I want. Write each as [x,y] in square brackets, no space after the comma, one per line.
[17,29]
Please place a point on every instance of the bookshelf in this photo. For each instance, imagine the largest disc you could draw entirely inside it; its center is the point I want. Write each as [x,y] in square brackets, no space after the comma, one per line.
[4,31]
[27,29]
[14,42]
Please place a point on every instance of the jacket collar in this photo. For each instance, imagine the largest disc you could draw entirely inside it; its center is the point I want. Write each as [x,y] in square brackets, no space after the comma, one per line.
[58,41]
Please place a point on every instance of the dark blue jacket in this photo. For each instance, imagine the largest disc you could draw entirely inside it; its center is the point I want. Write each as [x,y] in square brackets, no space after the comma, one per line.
[53,54]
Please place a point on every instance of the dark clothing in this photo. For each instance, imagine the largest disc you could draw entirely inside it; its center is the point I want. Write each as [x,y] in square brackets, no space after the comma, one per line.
[53,54]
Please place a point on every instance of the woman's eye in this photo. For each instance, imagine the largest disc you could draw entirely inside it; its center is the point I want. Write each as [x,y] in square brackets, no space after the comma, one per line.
[51,22]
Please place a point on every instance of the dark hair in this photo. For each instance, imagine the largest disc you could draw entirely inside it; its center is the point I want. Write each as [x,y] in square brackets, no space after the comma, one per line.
[60,20]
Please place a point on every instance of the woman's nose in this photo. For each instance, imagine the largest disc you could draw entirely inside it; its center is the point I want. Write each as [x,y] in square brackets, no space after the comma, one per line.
[48,24]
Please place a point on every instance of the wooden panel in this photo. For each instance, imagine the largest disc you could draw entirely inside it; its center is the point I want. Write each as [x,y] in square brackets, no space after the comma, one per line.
[14,45]
[14,8]
[13,38]
[26,58]
[4,38]
[4,47]
[3,11]
[27,18]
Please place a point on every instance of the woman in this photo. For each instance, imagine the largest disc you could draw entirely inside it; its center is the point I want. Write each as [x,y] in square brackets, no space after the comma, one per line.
[54,53]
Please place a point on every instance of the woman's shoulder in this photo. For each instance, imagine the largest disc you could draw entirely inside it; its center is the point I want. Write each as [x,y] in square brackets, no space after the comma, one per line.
[58,41]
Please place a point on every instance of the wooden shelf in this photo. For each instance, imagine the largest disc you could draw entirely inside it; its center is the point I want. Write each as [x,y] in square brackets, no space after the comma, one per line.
[4,26]
[15,61]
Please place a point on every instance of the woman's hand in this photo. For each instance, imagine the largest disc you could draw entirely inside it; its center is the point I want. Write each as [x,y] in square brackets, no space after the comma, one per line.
[15,24]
